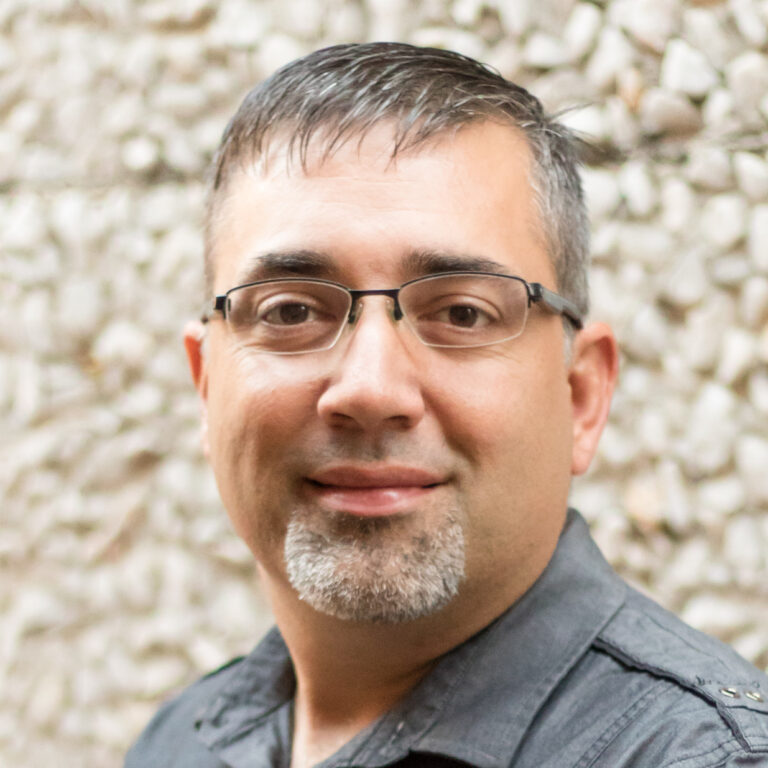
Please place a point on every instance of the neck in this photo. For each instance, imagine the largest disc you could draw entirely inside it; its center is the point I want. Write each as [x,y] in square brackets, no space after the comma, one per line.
[350,674]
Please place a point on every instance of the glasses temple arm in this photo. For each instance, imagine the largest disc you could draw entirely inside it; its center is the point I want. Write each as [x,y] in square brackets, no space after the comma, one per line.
[219,305]
[556,304]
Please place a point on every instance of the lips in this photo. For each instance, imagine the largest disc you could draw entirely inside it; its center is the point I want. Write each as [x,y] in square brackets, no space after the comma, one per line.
[372,491]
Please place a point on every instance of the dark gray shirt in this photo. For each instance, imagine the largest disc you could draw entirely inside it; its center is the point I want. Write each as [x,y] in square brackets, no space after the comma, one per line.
[581,672]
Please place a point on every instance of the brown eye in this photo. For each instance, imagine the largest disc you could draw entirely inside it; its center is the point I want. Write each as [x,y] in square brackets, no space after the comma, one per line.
[463,316]
[288,314]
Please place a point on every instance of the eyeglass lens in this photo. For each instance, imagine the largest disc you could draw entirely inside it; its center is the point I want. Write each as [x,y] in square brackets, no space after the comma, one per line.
[291,316]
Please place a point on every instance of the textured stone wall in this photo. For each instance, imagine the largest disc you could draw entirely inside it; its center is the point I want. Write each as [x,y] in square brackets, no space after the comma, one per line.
[120,579]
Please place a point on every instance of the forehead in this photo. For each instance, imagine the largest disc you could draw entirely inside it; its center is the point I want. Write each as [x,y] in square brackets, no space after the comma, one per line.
[466,194]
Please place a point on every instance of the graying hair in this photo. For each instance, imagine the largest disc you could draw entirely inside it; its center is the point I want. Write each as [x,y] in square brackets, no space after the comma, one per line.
[341,92]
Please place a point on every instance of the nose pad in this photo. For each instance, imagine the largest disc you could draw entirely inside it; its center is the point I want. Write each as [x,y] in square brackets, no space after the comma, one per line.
[357,309]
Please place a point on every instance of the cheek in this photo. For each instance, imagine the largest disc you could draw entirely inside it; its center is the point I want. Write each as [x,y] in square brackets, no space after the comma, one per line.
[510,420]
[256,411]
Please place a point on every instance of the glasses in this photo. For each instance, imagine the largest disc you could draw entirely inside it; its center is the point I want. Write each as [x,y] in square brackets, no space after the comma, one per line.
[288,316]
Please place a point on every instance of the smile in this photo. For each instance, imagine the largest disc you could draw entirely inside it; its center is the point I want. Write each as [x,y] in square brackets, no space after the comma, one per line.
[372,492]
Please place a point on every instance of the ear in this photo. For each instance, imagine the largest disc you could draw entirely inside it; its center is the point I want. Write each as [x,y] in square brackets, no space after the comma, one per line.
[592,376]
[194,338]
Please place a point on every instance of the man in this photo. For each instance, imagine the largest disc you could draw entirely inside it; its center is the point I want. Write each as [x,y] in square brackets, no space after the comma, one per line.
[398,383]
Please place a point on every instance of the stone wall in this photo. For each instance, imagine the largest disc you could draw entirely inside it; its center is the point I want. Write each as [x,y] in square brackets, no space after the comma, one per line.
[120,579]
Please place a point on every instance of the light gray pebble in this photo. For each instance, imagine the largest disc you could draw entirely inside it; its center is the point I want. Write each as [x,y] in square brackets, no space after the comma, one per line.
[757,239]
[638,188]
[709,167]
[743,545]
[389,19]
[753,303]
[612,55]
[724,495]
[653,430]
[140,153]
[691,560]
[516,18]
[651,22]
[185,101]
[645,244]
[616,448]
[664,112]
[757,388]
[715,613]
[602,191]
[273,52]
[737,356]
[751,645]
[679,205]
[23,222]
[181,154]
[731,269]
[622,124]
[686,70]
[747,78]
[751,461]
[712,428]
[750,21]
[751,174]
[543,50]
[678,511]
[685,282]
[700,338]
[647,335]
[581,30]
[719,112]
[709,32]
[723,220]
[122,343]
[299,18]
[347,23]
[46,701]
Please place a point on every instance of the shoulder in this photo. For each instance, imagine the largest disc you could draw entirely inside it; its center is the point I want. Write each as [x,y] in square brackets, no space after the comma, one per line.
[169,740]
[698,704]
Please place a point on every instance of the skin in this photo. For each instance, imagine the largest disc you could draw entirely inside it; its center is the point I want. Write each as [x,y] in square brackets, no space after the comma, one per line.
[505,427]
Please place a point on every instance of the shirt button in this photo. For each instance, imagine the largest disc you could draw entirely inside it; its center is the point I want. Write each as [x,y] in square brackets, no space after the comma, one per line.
[731,693]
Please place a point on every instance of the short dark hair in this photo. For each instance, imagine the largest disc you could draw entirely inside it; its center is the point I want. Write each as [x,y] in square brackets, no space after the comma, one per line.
[343,91]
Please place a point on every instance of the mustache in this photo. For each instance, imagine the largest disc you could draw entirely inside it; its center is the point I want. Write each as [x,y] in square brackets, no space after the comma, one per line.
[389,450]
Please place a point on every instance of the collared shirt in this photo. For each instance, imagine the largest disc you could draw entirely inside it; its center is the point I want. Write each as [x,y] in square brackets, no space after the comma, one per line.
[581,672]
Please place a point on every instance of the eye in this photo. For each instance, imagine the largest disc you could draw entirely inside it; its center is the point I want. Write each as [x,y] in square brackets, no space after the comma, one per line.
[460,313]
[463,316]
[288,313]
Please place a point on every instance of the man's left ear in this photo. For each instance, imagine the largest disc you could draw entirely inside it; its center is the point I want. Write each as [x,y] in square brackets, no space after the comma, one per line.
[592,376]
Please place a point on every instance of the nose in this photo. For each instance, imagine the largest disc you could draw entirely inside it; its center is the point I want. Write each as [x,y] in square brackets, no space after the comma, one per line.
[375,384]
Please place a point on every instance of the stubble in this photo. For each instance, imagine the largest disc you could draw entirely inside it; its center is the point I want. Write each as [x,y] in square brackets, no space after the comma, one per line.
[375,570]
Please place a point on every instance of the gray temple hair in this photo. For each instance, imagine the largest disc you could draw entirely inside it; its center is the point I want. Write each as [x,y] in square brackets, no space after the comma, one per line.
[341,92]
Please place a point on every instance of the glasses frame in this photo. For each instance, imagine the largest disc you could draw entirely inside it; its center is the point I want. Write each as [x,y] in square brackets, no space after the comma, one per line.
[550,301]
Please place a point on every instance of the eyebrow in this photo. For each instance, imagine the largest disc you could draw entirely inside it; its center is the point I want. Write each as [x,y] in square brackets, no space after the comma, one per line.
[430,262]
[302,262]
[309,263]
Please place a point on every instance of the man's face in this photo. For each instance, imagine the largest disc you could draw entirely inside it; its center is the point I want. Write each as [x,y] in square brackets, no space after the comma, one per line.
[382,476]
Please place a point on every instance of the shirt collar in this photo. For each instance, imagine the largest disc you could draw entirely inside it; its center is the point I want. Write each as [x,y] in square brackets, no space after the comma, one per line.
[510,669]
[480,699]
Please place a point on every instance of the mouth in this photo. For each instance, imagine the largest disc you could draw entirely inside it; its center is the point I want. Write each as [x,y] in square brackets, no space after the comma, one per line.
[372,492]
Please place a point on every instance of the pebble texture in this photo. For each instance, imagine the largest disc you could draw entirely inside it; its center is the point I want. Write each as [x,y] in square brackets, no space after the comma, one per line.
[120,579]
